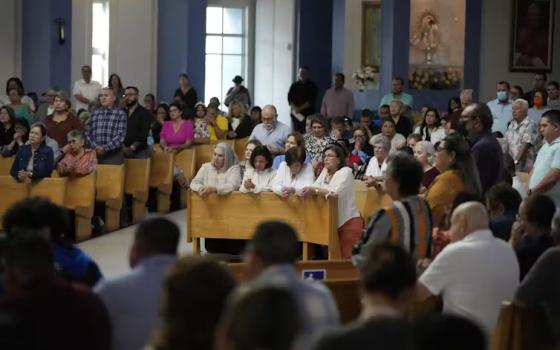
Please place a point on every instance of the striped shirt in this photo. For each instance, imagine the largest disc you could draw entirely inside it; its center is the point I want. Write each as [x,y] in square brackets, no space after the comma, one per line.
[408,221]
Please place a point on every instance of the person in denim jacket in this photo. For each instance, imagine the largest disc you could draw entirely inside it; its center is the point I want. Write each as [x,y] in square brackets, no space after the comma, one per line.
[34,160]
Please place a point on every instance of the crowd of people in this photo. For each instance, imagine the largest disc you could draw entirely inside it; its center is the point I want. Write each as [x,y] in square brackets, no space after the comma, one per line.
[474,191]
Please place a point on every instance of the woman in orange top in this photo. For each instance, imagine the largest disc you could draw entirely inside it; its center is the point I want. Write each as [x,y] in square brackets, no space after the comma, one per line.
[458,173]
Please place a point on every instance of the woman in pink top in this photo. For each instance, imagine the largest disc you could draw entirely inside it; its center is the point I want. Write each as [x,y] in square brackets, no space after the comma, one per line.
[176,134]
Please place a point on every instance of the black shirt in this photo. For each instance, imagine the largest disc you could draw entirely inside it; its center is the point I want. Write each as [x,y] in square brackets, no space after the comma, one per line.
[489,159]
[404,126]
[301,92]
[530,250]
[138,128]
[6,135]
[189,98]
[245,128]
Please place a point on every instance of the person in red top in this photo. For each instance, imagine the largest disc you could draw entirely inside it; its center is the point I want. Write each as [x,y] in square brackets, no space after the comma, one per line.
[41,310]
[62,121]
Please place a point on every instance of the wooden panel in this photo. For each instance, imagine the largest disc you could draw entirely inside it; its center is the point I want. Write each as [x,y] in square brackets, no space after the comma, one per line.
[109,182]
[235,216]
[240,147]
[110,189]
[12,192]
[347,295]
[161,175]
[186,161]
[369,200]
[80,192]
[53,188]
[80,197]
[137,178]
[334,269]
[204,152]
[520,328]
[6,165]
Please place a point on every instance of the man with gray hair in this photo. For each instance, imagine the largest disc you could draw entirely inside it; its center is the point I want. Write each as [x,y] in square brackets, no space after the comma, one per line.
[454,118]
[271,132]
[521,136]
[540,289]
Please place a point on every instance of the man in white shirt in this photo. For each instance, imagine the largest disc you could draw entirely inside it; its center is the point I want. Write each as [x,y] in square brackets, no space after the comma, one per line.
[133,299]
[85,90]
[475,273]
[501,108]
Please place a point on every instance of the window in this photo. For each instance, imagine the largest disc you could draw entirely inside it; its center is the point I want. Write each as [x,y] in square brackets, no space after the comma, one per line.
[100,41]
[226,49]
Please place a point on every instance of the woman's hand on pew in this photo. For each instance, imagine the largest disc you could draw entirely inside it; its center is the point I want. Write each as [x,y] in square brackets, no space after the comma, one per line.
[287,191]
[248,184]
[309,191]
[205,191]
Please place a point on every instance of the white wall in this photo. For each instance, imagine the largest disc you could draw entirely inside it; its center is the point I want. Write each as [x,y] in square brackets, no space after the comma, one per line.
[495,49]
[10,41]
[133,47]
[274,54]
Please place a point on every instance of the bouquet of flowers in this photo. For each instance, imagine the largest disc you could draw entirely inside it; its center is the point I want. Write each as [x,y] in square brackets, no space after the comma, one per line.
[365,76]
[435,78]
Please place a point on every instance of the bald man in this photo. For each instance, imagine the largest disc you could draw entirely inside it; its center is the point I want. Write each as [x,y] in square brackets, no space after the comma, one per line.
[473,274]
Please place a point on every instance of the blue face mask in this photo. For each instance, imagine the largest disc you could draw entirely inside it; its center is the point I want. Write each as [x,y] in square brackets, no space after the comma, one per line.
[502,95]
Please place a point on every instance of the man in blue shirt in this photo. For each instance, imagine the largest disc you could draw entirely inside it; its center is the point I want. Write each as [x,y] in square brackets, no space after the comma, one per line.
[271,132]
[106,129]
[132,299]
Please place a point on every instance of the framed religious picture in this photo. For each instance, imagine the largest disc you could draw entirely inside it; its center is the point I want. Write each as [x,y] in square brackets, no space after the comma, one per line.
[532,36]
[371,34]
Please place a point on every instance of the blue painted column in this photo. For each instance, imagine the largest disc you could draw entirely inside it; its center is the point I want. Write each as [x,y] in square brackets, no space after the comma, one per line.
[45,62]
[315,42]
[181,45]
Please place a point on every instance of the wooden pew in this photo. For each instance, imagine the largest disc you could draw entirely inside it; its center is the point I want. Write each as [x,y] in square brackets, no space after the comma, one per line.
[334,269]
[369,200]
[186,161]
[161,178]
[6,165]
[110,190]
[520,328]
[137,184]
[347,295]
[80,197]
[12,192]
[239,147]
[204,152]
[53,188]
[235,216]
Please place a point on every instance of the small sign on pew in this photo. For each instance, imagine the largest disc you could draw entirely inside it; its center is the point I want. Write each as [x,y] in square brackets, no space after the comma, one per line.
[314,275]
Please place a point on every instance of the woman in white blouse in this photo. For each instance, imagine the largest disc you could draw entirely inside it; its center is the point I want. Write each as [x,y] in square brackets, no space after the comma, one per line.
[431,128]
[258,177]
[293,174]
[337,179]
[221,175]
[375,171]
[389,130]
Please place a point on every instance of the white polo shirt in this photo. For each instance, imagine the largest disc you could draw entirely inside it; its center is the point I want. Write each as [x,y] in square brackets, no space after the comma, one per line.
[89,91]
[474,276]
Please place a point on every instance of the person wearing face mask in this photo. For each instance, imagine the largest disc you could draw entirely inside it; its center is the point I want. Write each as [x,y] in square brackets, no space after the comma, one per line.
[138,126]
[539,85]
[538,109]
[501,107]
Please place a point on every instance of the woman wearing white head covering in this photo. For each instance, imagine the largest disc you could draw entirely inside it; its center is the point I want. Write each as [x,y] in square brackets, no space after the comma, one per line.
[221,175]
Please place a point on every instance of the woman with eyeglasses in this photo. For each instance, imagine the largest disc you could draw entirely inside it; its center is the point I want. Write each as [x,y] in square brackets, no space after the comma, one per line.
[177,133]
[336,179]
[360,151]
[317,140]
[76,160]
[458,173]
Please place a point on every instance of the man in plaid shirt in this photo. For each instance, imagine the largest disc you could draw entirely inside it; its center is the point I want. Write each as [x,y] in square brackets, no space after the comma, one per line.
[106,129]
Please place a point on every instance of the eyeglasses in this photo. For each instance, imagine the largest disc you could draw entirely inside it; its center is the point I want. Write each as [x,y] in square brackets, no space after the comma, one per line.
[72,141]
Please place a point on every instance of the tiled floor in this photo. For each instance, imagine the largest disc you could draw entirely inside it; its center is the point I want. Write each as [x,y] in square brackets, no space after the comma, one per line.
[110,251]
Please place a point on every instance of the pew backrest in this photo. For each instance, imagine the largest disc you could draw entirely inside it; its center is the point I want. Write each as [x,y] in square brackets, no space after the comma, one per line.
[6,165]
[53,188]
[236,216]
[12,192]
[137,178]
[109,183]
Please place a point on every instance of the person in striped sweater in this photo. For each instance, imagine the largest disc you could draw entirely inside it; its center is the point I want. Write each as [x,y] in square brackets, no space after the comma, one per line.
[407,219]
